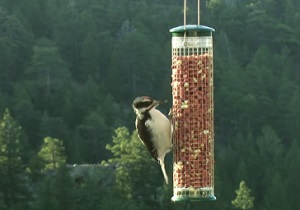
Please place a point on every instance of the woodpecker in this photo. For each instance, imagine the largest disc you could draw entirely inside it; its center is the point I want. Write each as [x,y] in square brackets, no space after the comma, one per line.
[154,129]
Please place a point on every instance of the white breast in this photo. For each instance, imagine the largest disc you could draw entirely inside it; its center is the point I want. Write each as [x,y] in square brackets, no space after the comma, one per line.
[161,128]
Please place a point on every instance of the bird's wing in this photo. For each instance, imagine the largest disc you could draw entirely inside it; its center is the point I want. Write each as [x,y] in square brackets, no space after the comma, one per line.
[145,137]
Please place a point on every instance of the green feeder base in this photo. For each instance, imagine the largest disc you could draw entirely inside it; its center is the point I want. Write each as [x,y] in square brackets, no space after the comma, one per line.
[192,194]
[187,198]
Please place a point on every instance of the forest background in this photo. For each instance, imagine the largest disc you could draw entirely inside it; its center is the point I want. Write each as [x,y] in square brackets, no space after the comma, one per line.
[70,69]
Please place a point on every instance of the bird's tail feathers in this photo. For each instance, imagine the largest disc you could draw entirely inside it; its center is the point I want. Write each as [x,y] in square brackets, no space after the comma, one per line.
[163,169]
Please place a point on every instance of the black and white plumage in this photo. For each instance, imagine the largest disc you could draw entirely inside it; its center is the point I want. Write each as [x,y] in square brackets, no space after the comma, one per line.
[154,129]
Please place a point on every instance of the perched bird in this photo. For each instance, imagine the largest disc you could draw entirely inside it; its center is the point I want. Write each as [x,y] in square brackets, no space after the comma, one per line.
[154,129]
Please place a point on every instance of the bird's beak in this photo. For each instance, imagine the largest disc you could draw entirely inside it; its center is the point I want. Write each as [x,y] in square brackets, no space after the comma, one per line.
[156,103]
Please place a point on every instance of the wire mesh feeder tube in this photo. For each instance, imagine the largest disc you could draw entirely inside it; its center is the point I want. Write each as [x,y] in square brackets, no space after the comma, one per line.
[193,113]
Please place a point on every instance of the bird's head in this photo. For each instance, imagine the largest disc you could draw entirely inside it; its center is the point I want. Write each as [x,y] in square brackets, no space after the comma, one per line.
[143,104]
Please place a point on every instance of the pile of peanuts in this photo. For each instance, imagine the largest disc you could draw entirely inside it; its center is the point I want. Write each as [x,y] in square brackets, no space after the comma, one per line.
[192,115]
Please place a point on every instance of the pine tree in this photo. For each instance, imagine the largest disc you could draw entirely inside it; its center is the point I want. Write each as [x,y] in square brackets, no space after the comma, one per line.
[89,54]
[89,65]
[52,153]
[26,114]
[96,133]
[15,49]
[46,199]
[53,126]
[243,198]
[128,70]
[292,174]
[47,76]
[56,191]
[136,175]
[276,197]
[13,189]
[64,189]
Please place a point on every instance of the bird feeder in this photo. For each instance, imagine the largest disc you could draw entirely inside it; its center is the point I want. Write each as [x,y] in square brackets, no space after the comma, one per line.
[192,113]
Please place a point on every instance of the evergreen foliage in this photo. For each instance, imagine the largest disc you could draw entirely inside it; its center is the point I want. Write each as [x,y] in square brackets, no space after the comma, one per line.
[243,198]
[13,187]
[69,70]
[131,158]
[52,154]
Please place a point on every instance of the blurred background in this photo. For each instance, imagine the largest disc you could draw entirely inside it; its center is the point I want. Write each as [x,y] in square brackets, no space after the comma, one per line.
[70,69]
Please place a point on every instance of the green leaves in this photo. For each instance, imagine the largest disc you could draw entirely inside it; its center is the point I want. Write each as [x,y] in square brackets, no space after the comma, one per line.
[136,173]
[134,73]
[15,49]
[69,70]
[10,147]
[13,189]
[47,67]
[243,199]
[56,191]
[52,154]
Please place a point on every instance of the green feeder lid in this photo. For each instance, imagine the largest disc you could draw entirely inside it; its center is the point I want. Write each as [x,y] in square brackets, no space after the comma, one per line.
[192,30]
